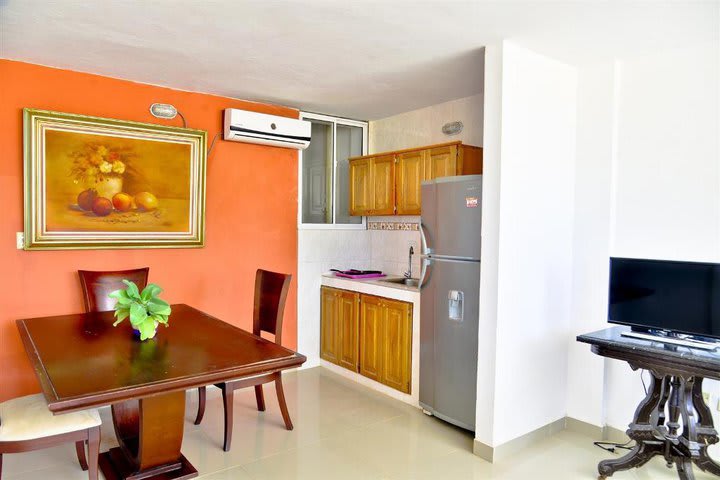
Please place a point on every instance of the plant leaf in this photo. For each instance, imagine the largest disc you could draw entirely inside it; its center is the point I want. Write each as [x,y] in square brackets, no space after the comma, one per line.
[132,290]
[158,306]
[138,314]
[147,329]
[118,293]
[151,291]
[121,314]
[123,301]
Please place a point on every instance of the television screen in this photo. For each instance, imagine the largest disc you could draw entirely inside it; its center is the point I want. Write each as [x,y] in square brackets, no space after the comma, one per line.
[681,297]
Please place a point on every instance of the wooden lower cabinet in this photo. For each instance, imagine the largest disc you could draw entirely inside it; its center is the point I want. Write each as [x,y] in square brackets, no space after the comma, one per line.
[367,334]
[371,313]
[386,341]
[396,344]
[329,325]
[347,308]
[339,327]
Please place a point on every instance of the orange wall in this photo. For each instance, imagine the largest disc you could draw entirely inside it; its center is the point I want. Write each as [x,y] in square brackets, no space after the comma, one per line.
[251,213]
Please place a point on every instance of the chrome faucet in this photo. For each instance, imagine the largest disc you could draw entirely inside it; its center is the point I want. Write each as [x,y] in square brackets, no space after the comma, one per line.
[408,274]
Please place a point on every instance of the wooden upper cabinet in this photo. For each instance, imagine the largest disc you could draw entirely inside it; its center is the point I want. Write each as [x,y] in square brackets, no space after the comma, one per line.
[371,313]
[347,311]
[383,180]
[360,187]
[396,346]
[441,162]
[409,173]
[389,183]
[372,185]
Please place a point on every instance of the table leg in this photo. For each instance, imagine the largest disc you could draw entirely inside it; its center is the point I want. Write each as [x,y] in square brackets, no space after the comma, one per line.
[660,410]
[150,432]
[684,468]
[642,431]
[706,433]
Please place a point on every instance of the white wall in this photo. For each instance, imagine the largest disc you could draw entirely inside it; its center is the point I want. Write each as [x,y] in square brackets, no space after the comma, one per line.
[535,240]
[667,176]
[591,242]
[424,126]
[487,327]
[647,185]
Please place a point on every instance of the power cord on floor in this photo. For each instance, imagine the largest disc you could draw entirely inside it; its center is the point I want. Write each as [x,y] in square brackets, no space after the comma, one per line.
[612,446]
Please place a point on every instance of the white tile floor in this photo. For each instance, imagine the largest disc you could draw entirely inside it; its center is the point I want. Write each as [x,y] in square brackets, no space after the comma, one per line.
[343,431]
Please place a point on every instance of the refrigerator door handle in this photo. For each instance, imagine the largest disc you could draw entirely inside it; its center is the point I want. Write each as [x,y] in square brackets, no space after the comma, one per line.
[424,248]
[424,276]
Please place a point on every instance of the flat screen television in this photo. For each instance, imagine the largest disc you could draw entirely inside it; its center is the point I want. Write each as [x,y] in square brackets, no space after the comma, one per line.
[671,296]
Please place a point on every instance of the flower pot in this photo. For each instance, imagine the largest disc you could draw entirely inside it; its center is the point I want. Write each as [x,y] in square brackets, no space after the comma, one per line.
[136,333]
[109,187]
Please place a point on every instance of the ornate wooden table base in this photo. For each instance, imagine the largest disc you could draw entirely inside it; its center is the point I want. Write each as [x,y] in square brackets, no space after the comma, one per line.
[658,434]
[150,432]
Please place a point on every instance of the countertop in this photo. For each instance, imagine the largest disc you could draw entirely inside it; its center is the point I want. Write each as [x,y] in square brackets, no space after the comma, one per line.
[374,286]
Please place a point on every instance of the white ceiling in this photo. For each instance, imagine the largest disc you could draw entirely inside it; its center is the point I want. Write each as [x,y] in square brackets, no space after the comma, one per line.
[362,59]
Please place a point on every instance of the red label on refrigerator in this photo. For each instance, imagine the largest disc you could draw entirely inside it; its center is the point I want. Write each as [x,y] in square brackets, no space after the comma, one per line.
[471,202]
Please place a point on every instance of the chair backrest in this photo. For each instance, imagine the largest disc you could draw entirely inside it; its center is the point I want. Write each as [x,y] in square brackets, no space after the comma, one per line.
[97,285]
[271,291]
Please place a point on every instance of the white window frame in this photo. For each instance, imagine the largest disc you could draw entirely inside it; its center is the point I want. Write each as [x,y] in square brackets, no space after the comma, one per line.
[335,121]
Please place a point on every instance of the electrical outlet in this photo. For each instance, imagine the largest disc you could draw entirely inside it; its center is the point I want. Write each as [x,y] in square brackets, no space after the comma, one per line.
[19,240]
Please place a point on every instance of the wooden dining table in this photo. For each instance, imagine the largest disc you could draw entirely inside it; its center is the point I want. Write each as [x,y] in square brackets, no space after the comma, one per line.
[83,362]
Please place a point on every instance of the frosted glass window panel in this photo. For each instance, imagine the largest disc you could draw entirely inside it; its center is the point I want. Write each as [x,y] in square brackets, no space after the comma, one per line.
[317,175]
[349,143]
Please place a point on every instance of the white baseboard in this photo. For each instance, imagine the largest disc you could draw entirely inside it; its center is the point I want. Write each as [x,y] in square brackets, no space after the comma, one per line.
[508,449]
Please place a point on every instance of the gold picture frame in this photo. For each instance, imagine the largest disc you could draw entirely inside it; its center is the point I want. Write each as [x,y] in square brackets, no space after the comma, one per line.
[101,183]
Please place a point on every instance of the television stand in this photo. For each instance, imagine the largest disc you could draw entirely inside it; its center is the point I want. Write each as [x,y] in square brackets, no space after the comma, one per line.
[673,420]
[685,342]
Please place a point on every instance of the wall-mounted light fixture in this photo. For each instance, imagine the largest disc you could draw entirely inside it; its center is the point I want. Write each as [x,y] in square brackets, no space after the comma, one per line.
[452,128]
[166,111]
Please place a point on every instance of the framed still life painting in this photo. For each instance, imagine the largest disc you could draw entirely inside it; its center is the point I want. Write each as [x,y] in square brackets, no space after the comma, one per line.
[102,183]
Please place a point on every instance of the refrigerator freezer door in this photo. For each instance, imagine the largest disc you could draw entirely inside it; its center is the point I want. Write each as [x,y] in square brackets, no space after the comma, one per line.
[452,214]
[449,339]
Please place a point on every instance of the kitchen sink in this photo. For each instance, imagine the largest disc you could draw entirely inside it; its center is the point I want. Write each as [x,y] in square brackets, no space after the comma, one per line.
[410,282]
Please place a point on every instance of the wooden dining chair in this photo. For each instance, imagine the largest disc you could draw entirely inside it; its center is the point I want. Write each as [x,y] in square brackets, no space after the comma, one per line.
[27,424]
[97,285]
[271,291]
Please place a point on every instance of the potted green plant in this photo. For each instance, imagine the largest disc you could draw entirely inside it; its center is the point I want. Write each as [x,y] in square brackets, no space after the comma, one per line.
[145,309]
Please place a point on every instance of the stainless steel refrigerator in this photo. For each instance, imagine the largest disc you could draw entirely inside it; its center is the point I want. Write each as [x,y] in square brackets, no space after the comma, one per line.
[450,297]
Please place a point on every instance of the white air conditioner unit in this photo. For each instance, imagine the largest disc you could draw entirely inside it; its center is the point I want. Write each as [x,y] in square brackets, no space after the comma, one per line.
[252,127]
